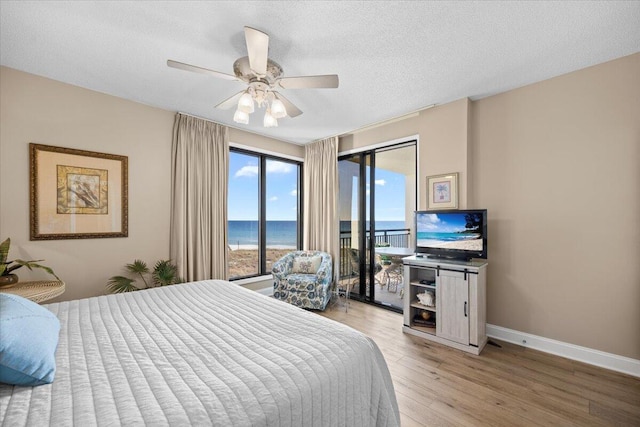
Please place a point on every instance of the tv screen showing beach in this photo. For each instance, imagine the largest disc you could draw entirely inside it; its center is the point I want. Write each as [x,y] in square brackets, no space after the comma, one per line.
[459,231]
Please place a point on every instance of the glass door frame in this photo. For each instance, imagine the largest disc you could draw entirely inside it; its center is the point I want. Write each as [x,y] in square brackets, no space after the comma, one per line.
[366,241]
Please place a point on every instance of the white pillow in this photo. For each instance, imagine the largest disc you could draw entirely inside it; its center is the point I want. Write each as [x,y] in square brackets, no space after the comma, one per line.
[306,265]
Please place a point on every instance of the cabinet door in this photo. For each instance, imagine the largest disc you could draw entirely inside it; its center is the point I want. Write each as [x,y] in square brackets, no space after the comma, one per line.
[453,307]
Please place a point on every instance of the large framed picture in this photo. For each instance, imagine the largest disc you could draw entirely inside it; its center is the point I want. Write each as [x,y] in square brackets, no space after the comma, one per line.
[77,194]
[442,191]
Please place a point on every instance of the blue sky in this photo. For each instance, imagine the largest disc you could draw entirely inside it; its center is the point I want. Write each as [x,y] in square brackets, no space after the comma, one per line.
[244,187]
[390,195]
[443,223]
[282,195]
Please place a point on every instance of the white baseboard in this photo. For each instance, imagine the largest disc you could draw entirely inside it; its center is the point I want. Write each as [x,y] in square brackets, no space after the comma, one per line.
[611,361]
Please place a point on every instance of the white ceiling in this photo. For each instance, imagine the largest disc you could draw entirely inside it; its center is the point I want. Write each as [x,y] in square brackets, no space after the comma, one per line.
[393,58]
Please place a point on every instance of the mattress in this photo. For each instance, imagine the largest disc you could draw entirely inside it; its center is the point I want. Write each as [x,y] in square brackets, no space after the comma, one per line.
[204,353]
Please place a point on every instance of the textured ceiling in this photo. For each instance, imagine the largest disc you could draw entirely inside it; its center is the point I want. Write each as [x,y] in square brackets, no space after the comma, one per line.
[393,58]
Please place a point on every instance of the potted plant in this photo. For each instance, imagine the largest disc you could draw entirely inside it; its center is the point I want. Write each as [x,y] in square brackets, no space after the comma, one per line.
[164,273]
[7,277]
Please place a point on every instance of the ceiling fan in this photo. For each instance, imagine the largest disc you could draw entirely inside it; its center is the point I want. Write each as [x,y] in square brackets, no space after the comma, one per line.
[263,76]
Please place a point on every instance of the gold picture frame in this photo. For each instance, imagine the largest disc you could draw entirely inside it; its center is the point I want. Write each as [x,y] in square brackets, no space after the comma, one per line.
[77,194]
[442,191]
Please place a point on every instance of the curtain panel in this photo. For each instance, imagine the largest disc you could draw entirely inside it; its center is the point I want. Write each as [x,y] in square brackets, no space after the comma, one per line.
[199,174]
[321,229]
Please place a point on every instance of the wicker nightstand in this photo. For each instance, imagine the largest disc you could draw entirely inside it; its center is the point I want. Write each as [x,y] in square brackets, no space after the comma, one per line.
[38,291]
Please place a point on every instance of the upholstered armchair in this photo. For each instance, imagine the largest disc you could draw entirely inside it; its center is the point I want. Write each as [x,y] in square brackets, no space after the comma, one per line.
[303,278]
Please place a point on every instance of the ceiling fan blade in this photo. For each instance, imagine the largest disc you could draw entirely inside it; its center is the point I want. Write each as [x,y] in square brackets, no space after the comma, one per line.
[195,69]
[292,110]
[230,102]
[258,49]
[305,82]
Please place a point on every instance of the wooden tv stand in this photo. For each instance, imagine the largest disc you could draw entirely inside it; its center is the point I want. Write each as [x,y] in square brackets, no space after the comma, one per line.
[460,289]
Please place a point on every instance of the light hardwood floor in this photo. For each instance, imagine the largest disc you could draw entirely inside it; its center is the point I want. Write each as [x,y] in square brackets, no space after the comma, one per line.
[508,386]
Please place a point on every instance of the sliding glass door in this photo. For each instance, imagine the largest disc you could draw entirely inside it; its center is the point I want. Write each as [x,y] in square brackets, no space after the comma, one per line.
[376,205]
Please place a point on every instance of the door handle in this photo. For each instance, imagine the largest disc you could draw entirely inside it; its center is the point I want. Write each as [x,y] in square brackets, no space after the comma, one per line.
[465,309]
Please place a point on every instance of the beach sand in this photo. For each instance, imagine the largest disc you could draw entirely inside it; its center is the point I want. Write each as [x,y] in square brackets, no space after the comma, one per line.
[244,261]
[473,245]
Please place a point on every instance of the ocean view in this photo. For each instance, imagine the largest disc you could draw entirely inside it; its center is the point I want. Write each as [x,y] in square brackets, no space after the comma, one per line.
[432,238]
[280,234]
[283,234]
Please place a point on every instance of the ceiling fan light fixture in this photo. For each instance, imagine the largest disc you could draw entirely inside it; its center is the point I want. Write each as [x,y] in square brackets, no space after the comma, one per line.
[269,120]
[245,104]
[262,76]
[241,117]
[278,110]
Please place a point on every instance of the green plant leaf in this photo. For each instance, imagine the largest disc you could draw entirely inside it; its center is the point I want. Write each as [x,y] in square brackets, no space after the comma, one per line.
[7,267]
[138,267]
[4,251]
[120,284]
[164,273]
[31,265]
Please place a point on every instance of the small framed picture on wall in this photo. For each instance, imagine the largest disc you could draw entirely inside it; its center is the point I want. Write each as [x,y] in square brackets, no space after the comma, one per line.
[442,191]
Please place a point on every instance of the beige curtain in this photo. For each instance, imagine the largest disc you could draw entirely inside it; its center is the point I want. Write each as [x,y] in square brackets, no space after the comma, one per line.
[321,229]
[199,171]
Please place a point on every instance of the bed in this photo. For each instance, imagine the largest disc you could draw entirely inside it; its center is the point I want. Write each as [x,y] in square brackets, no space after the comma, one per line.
[204,353]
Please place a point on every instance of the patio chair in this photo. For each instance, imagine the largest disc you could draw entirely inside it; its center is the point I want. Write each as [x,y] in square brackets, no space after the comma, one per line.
[354,257]
[395,274]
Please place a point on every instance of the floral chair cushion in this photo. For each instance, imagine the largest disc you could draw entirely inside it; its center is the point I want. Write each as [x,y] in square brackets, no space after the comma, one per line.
[301,282]
[306,265]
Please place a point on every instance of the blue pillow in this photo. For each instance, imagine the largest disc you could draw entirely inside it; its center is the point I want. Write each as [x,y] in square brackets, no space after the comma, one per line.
[28,341]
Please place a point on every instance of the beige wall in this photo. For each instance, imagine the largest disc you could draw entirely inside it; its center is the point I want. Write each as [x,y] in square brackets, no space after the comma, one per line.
[263,143]
[442,144]
[40,110]
[557,164]
[35,109]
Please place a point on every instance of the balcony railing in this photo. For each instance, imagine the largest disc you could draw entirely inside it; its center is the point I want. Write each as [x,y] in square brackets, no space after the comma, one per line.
[398,237]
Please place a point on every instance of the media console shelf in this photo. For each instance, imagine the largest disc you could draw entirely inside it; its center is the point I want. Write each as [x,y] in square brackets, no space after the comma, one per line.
[460,295]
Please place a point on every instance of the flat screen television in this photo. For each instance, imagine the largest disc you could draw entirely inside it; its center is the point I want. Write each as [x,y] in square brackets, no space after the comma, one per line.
[457,234]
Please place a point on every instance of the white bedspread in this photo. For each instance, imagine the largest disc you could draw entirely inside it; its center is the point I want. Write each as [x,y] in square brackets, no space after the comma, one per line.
[205,353]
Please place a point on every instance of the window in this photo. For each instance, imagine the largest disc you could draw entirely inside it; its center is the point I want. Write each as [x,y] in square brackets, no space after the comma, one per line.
[264,214]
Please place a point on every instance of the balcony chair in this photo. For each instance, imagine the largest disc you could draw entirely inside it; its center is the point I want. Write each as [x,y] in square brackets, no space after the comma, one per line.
[354,258]
[393,274]
[303,278]
[354,275]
